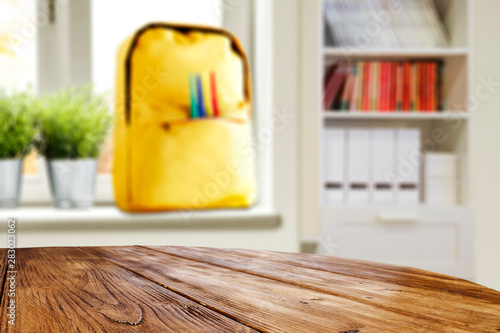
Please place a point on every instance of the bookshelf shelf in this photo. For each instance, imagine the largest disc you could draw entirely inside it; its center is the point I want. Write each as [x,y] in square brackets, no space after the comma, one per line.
[446,115]
[353,53]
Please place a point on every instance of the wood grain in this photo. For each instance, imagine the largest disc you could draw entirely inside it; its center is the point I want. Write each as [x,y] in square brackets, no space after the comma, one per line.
[178,289]
[444,303]
[271,304]
[3,269]
[72,290]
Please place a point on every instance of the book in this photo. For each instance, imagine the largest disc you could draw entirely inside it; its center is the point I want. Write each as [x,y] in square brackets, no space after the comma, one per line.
[399,87]
[384,86]
[418,86]
[423,86]
[430,87]
[360,84]
[366,86]
[406,86]
[413,87]
[439,86]
[348,89]
[433,83]
[328,73]
[374,78]
[353,103]
[415,24]
[393,86]
[334,84]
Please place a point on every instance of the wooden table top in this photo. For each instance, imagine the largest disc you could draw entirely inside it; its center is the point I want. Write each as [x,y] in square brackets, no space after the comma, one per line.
[178,289]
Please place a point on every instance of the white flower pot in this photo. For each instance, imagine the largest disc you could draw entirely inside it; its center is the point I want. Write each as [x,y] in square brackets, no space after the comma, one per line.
[10,182]
[72,182]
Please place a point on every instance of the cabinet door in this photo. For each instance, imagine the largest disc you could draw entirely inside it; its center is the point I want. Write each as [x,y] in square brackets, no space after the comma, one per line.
[436,239]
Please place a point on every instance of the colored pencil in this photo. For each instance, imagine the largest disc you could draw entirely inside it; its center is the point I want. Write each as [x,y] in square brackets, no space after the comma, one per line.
[192,93]
[201,103]
[215,103]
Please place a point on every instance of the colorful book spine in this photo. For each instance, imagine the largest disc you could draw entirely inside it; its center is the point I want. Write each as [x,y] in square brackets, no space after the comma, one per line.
[361,91]
[413,87]
[418,97]
[353,102]
[348,89]
[440,87]
[432,87]
[399,86]
[406,86]
[391,93]
[388,86]
[394,86]
[366,86]
[426,86]
[384,81]
[374,86]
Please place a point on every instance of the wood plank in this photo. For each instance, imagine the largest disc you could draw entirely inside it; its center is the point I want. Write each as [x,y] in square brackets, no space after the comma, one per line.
[8,304]
[449,308]
[356,269]
[396,275]
[73,290]
[265,304]
[3,269]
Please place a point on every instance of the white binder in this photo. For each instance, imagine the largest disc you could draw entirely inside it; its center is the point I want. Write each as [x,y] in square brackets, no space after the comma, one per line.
[383,183]
[334,166]
[408,166]
[358,174]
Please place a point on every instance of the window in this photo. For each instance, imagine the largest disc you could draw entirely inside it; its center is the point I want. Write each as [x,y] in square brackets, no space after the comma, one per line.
[18,59]
[76,42]
[18,42]
[108,34]
[106,37]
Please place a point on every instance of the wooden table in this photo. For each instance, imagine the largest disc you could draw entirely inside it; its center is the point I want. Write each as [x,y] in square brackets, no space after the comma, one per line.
[176,289]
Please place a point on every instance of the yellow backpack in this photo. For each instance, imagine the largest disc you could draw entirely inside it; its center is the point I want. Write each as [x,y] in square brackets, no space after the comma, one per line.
[183,133]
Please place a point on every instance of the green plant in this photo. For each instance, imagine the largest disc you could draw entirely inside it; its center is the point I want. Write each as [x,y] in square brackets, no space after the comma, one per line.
[74,124]
[17,124]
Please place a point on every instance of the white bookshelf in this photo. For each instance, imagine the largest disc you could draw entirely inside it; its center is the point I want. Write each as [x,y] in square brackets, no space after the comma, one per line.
[415,232]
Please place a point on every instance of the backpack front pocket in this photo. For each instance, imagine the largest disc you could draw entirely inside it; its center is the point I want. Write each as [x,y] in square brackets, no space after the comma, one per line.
[193,164]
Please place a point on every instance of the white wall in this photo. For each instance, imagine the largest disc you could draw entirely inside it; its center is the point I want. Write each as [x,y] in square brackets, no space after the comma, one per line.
[486,144]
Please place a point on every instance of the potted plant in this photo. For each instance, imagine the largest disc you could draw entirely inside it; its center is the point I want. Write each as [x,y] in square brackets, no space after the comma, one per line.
[17,130]
[74,124]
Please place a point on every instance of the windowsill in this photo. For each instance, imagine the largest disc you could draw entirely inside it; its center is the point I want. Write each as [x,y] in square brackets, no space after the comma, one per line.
[110,217]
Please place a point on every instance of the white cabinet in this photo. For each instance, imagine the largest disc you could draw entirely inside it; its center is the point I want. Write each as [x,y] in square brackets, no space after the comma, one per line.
[432,238]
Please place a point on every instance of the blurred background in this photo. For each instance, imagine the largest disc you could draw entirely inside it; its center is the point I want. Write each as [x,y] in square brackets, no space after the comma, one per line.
[296,48]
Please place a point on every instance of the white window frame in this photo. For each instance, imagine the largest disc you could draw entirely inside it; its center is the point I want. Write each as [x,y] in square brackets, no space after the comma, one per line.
[64,58]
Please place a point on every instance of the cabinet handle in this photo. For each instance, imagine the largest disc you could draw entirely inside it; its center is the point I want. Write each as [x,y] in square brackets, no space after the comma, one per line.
[52,11]
[395,218]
